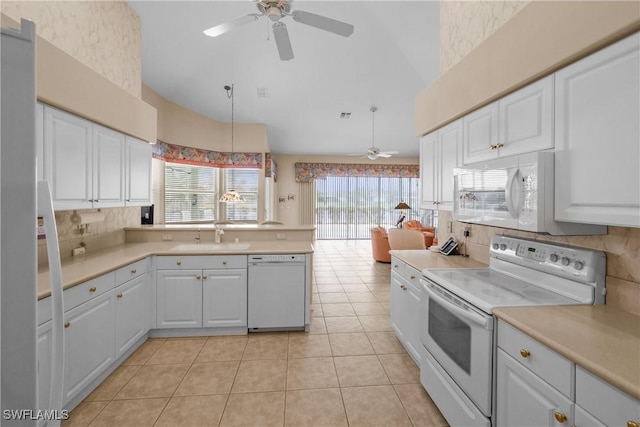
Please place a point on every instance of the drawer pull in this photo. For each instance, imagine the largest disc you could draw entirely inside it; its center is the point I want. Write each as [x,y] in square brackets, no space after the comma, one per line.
[499,145]
[560,417]
[204,277]
[632,424]
[119,295]
[413,277]
[198,277]
[403,287]
[224,262]
[524,353]
[67,324]
[179,262]
[93,289]
[395,266]
[134,271]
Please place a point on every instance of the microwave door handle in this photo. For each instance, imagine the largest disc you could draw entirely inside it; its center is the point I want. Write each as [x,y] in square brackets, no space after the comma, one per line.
[511,195]
[475,318]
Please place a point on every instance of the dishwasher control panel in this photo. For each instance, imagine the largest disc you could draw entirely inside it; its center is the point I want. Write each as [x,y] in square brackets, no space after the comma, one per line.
[256,259]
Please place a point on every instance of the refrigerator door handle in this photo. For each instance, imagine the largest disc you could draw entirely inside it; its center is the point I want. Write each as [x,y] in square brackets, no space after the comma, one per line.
[45,209]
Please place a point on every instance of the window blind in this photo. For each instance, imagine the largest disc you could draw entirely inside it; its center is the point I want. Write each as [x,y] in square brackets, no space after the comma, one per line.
[245,182]
[190,193]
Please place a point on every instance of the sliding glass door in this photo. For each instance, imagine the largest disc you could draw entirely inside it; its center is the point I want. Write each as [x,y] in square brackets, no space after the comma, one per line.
[348,207]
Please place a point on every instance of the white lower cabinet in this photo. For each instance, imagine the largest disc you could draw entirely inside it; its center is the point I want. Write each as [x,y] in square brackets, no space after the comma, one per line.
[525,399]
[190,295]
[132,312]
[89,342]
[405,307]
[44,333]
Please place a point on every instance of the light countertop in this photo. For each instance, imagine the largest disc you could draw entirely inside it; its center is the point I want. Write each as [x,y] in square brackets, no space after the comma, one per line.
[603,340]
[86,267]
[421,259]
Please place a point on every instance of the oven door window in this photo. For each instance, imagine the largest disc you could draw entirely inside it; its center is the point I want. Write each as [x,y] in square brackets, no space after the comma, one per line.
[451,334]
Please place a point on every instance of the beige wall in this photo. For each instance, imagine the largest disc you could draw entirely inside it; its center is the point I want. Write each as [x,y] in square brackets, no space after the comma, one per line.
[105,37]
[288,212]
[621,245]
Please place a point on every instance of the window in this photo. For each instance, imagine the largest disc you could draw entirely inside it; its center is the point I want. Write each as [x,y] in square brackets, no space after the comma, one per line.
[192,192]
[348,207]
[245,182]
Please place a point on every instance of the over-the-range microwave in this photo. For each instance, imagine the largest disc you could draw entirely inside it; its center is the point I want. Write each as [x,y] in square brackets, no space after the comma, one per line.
[513,192]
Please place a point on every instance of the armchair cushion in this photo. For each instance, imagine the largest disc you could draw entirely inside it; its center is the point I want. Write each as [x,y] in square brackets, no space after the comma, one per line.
[428,232]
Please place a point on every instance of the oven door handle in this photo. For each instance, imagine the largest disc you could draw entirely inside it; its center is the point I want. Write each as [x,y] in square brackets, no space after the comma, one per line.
[475,318]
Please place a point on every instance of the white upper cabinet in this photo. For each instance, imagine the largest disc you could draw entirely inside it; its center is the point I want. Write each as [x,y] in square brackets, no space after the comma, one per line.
[138,176]
[521,122]
[439,155]
[597,137]
[68,158]
[91,166]
[108,167]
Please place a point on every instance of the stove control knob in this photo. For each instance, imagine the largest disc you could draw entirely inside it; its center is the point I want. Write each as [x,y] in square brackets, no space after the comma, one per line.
[578,265]
[554,257]
[565,260]
[503,247]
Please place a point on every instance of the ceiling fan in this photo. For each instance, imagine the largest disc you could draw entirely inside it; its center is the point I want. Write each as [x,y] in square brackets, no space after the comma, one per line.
[275,10]
[374,152]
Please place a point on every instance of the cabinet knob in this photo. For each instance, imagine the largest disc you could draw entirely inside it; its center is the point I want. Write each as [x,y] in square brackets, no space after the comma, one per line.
[499,145]
[179,262]
[67,324]
[204,277]
[560,417]
[403,287]
[93,289]
[395,266]
[198,277]
[524,353]
[493,146]
[224,262]
[134,271]
[119,295]
[632,424]
[413,277]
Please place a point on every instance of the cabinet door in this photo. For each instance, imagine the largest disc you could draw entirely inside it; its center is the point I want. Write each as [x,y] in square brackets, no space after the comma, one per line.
[480,134]
[412,326]
[428,172]
[40,142]
[89,343]
[597,137]
[224,298]
[526,119]
[132,312]
[108,167]
[524,399]
[138,173]
[398,307]
[449,144]
[584,419]
[68,159]
[44,367]
[179,299]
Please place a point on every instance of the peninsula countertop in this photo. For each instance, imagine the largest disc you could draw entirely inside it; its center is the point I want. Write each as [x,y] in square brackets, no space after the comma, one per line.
[603,340]
[421,259]
[89,266]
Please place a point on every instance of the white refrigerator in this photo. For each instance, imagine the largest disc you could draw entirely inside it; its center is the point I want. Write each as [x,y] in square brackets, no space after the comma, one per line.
[21,203]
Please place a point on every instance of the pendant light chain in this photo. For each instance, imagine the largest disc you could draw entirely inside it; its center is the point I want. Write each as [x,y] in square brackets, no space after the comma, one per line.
[231,196]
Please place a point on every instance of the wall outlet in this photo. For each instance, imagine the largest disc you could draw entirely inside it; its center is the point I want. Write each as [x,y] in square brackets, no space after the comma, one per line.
[78,251]
[281,236]
[167,237]
[450,226]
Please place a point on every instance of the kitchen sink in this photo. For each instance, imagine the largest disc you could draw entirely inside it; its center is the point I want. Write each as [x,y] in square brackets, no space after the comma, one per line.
[213,247]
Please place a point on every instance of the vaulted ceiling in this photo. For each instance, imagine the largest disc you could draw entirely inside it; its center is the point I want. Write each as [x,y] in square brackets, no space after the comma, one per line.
[391,56]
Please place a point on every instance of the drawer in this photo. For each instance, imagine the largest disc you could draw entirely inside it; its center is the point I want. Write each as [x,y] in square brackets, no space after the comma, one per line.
[75,296]
[591,392]
[547,364]
[201,262]
[131,271]
[409,273]
[399,266]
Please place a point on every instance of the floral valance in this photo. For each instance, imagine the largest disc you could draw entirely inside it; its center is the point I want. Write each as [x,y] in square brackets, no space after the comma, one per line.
[200,157]
[270,166]
[307,172]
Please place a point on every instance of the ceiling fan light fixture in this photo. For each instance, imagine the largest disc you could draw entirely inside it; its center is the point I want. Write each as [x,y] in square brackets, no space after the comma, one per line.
[372,156]
[274,13]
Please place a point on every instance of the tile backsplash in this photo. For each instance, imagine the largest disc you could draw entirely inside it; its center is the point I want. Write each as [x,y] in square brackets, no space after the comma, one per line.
[96,236]
[621,246]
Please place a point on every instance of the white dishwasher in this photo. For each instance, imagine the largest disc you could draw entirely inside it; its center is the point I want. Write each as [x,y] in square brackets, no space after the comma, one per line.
[276,294]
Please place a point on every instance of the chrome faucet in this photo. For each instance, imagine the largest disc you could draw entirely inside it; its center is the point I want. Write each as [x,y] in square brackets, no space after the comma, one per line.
[218,233]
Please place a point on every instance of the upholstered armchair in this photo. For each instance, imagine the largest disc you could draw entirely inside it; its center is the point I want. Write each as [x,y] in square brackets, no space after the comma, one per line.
[380,244]
[401,238]
[428,232]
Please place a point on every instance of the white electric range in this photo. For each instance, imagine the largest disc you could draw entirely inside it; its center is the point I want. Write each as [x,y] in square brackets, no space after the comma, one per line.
[457,330]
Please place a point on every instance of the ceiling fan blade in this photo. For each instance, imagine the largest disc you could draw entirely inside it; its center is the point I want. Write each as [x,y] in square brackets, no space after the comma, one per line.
[231,25]
[323,23]
[385,155]
[389,152]
[281,35]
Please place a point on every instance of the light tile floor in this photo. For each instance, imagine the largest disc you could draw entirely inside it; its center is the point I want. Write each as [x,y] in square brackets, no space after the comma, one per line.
[349,370]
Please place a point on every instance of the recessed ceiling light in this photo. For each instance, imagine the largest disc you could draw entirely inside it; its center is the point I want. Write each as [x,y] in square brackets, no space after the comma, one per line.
[344,115]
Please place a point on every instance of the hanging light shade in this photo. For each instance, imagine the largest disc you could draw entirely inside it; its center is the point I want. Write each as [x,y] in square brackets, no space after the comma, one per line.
[231,196]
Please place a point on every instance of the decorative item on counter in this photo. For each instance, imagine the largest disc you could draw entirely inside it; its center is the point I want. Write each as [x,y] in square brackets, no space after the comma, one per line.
[83,220]
[402,206]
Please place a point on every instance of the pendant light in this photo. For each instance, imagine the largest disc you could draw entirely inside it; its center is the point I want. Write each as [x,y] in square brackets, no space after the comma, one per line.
[231,196]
